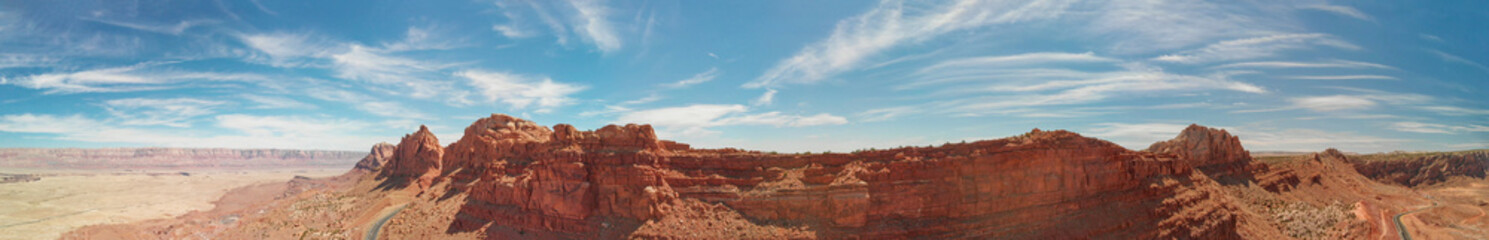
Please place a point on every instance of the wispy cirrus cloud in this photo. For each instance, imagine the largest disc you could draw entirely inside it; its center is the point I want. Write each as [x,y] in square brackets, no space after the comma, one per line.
[1255,47]
[891,24]
[1448,57]
[695,120]
[139,77]
[1420,127]
[172,29]
[702,77]
[249,131]
[1344,77]
[521,91]
[1141,135]
[173,112]
[1323,64]
[1341,10]
[592,21]
[275,102]
[365,103]
[996,85]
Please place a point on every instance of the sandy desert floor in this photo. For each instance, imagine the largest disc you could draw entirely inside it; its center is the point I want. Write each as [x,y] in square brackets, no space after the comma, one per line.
[62,201]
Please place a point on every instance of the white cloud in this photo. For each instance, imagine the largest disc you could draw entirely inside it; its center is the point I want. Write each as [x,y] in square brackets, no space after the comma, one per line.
[891,24]
[423,38]
[172,29]
[1015,92]
[694,120]
[766,98]
[519,91]
[368,104]
[284,132]
[1142,135]
[124,79]
[173,112]
[33,123]
[1456,111]
[885,114]
[590,20]
[593,25]
[1256,47]
[1345,77]
[286,125]
[1325,64]
[1260,139]
[1456,59]
[373,66]
[1332,103]
[282,46]
[1341,10]
[649,98]
[702,77]
[1419,127]
[511,31]
[275,102]
[10,60]
[1017,60]
[1136,136]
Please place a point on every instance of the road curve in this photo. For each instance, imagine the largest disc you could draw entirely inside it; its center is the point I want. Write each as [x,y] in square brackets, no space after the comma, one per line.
[1401,228]
[372,232]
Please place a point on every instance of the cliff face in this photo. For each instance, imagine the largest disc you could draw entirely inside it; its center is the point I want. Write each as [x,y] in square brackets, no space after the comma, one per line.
[1417,169]
[519,179]
[416,160]
[1213,151]
[376,158]
[126,158]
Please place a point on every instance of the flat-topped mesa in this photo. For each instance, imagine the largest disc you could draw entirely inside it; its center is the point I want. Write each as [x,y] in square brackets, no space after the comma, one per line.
[1213,151]
[418,156]
[376,158]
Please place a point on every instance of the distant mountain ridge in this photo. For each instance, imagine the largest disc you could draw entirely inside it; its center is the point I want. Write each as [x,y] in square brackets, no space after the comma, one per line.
[156,157]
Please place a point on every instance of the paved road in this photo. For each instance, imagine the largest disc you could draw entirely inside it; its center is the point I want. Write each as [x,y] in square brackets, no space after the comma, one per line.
[1401,228]
[378,227]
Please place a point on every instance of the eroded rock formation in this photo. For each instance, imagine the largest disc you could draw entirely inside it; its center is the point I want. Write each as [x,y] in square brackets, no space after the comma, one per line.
[523,178]
[509,178]
[1424,169]
[376,158]
[416,160]
[1213,151]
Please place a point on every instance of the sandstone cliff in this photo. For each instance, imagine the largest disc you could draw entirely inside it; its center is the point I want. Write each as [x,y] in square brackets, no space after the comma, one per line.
[515,178]
[376,158]
[1213,151]
[1423,169]
[509,178]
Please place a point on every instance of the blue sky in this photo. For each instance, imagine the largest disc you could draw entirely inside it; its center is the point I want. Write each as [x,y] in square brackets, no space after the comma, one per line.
[790,76]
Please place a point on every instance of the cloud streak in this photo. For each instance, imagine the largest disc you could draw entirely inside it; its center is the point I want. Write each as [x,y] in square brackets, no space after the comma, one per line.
[891,24]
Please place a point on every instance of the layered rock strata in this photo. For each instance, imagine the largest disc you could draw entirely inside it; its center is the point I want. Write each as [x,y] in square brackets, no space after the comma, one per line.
[1424,169]
[521,177]
[1213,151]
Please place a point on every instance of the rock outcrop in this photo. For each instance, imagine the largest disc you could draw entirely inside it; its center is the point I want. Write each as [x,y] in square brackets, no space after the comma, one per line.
[416,160]
[1423,169]
[1213,151]
[522,179]
[376,158]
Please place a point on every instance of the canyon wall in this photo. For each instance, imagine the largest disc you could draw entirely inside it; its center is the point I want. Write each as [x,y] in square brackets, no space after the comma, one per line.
[1411,170]
[117,158]
[523,179]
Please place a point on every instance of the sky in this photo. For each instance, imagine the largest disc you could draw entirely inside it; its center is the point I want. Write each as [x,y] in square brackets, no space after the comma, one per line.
[789,76]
